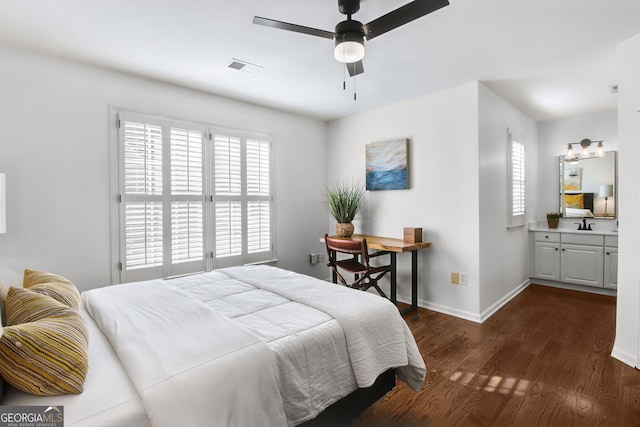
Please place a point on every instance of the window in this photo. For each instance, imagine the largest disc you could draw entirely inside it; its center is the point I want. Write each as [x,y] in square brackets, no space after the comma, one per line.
[190,197]
[516,182]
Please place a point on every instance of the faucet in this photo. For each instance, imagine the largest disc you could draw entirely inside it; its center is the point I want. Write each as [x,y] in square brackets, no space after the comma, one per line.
[584,226]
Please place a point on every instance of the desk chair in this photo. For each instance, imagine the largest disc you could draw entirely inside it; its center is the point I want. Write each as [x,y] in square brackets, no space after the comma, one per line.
[365,275]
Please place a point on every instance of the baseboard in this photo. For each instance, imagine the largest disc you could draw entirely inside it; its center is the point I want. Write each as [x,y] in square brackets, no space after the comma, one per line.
[571,287]
[503,301]
[624,357]
[466,315]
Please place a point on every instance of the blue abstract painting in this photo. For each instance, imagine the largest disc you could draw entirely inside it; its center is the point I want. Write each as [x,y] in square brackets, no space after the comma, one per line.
[387,165]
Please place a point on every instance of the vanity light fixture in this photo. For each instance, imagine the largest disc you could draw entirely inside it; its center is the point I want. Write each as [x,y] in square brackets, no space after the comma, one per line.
[584,153]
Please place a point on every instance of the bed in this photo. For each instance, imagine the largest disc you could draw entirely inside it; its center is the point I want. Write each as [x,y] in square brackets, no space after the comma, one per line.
[578,204]
[240,346]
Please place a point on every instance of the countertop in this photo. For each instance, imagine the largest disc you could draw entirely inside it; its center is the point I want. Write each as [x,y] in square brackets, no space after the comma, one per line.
[565,229]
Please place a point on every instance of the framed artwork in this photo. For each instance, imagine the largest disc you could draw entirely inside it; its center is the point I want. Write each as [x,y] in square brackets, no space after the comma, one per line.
[573,179]
[387,165]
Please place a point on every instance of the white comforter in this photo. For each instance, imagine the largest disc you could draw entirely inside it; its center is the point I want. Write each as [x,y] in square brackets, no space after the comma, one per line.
[377,337]
[190,365]
[250,346]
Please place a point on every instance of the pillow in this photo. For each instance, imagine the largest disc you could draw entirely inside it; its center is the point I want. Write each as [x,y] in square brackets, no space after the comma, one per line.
[44,348]
[57,287]
[574,201]
[579,213]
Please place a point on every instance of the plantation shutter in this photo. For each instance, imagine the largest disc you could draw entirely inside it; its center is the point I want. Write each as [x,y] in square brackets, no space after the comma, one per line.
[242,199]
[516,181]
[142,198]
[189,198]
[161,198]
[259,196]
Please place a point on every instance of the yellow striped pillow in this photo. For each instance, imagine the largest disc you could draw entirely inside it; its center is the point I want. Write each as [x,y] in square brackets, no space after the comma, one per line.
[57,287]
[47,354]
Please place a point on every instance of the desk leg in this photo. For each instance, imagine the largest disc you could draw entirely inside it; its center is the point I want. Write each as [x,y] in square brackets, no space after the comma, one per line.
[414,283]
[334,276]
[414,280]
[394,287]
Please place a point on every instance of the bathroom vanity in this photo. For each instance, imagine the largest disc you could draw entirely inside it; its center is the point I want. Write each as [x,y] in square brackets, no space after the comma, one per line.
[585,258]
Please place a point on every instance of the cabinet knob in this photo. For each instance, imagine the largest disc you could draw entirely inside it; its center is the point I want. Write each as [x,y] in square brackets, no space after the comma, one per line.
[562,249]
[556,249]
[546,237]
[608,253]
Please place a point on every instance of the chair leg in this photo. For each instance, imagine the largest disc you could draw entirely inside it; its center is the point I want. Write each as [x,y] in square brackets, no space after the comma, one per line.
[373,283]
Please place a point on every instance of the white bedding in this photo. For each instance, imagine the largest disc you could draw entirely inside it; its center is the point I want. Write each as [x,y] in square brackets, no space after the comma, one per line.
[377,338]
[190,365]
[109,399]
[314,330]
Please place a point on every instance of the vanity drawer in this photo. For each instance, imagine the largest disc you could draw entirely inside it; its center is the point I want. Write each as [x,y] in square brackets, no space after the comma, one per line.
[611,241]
[542,236]
[583,239]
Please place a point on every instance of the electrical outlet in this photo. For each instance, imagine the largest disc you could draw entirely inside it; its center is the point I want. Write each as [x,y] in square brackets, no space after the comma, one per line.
[455,278]
[464,278]
[313,258]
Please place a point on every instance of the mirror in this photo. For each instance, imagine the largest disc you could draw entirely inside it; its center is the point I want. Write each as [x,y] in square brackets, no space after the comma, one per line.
[588,187]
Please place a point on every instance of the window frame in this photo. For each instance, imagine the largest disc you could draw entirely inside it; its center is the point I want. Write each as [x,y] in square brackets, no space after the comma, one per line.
[170,268]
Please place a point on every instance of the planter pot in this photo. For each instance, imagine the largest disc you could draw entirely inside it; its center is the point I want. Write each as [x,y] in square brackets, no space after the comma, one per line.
[344,230]
[553,222]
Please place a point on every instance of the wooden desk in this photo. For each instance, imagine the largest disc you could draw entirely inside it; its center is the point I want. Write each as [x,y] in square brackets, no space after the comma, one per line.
[393,247]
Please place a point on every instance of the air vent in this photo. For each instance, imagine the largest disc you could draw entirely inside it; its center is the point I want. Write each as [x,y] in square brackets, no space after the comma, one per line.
[244,66]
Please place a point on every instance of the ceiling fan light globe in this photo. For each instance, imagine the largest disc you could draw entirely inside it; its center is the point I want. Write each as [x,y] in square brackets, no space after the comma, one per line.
[349,51]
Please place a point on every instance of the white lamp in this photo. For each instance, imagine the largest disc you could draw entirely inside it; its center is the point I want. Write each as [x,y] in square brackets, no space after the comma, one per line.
[3,204]
[606,191]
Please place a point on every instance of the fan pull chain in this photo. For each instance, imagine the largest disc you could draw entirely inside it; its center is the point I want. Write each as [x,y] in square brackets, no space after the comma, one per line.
[344,75]
[344,78]
[355,97]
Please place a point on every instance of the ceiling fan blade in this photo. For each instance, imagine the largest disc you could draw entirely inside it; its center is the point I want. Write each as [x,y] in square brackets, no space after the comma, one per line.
[403,15]
[292,27]
[355,68]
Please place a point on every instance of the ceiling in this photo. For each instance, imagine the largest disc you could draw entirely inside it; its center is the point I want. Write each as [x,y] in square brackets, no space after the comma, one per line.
[550,58]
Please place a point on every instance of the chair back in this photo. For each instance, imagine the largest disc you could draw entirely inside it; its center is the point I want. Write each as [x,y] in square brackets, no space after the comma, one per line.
[348,246]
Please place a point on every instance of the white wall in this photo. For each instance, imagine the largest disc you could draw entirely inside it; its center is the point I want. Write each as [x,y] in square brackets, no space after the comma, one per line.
[553,138]
[54,150]
[443,194]
[627,343]
[458,163]
[504,253]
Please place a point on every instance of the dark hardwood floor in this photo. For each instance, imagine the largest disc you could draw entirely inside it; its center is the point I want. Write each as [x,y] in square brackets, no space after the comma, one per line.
[543,360]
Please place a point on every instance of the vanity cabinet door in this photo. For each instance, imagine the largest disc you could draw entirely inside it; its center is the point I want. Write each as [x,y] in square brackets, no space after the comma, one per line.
[582,265]
[547,260]
[611,268]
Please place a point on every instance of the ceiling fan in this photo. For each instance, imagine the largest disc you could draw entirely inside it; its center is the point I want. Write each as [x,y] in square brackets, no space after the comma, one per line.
[349,35]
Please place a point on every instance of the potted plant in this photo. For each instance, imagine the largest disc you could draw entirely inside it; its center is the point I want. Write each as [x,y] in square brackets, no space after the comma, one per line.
[345,200]
[553,219]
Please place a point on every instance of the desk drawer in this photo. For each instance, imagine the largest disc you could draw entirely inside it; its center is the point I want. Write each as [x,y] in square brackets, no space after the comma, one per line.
[542,236]
[583,239]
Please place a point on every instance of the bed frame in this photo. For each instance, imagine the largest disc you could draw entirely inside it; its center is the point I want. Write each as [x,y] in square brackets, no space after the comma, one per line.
[349,407]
